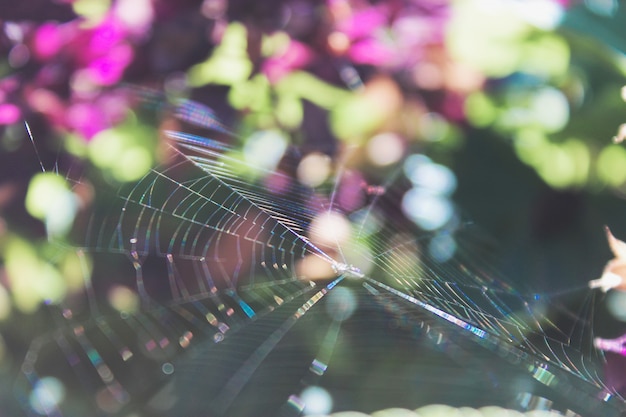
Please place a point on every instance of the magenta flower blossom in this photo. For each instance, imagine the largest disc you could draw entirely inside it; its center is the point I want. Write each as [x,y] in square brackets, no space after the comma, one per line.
[48,40]
[295,56]
[90,117]
[77,66]
[108,69]
[362,23]
[9,114]
[90,61]
[390,35]
[84,118]
[108,34]
[372,51]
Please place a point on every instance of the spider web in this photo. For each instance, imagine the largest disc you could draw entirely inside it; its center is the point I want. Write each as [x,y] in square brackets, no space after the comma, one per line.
[233,322]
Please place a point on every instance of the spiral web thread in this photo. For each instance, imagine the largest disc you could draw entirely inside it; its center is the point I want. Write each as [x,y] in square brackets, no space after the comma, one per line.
[215,255]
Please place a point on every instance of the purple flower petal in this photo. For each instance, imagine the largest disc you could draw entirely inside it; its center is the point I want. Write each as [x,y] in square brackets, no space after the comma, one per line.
[47,41]
[363,22]
[85,119]
[373,52]
[297,55]
[9,114]
[108,69]
[108,34]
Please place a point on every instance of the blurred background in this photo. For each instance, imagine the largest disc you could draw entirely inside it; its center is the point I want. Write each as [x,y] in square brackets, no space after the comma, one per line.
[518,106]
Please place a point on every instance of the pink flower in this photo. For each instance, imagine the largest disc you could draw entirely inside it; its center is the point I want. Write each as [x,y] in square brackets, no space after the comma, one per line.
[48,41]
[9,114]
[296,55]
[616,345]
[84,118]
[106,35]
[108,69]
[90,117]
[372,51]
[362,23]
[391,35]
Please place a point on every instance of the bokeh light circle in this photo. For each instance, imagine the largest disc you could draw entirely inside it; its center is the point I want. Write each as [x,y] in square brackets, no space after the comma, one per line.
[341,304]
[46,395]
[330,229]
[426,174]
[616,304]
[429,211]
[442,247]
[385,149]
[314,169]
[316,400]
[265,148]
